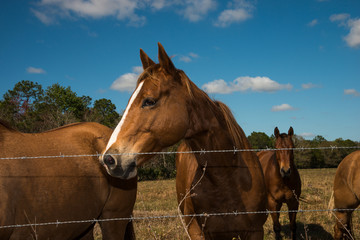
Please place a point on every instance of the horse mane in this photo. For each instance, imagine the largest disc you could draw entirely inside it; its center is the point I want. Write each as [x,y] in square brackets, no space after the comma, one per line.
[283,135]
[221,111]
[238,135]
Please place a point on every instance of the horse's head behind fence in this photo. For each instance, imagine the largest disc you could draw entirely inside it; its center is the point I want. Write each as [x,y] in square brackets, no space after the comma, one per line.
[285,156]
[156,117]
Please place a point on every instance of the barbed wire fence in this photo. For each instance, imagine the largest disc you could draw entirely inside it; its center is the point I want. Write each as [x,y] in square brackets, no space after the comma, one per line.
[202,151]
[151,218]
[235,213]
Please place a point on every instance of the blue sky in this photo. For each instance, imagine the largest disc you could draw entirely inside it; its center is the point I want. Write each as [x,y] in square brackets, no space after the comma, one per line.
[274,63]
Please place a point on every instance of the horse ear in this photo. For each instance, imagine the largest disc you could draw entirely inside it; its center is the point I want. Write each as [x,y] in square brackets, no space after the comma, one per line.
[165,61]
[291,132]
[145,60]
[276,132]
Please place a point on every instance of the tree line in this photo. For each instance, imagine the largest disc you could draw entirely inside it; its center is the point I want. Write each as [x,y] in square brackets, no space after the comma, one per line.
[29,108]
[315,158]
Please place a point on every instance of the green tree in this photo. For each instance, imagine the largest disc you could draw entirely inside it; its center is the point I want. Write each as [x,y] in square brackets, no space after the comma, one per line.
[260,140]
[60,106]
[29,108]
[104,112]
[65,100]
[18,104]
[318,140]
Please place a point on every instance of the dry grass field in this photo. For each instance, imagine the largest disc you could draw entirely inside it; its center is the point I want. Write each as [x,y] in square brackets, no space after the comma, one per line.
[158,198]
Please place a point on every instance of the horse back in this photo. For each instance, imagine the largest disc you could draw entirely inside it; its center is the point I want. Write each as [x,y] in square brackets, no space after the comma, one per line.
[38,185]
[347,182]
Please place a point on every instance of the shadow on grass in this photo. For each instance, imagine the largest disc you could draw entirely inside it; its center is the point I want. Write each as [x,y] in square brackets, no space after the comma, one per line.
[307,231]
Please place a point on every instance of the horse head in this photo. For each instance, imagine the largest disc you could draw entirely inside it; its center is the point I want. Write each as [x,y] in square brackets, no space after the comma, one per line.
[156,117]
[284,156]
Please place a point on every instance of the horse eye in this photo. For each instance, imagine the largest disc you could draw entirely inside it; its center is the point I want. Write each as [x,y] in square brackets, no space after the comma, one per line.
[148,102]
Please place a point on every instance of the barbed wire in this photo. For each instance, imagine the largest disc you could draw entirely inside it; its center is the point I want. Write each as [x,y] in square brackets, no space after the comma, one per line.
[202,151]
[234,213]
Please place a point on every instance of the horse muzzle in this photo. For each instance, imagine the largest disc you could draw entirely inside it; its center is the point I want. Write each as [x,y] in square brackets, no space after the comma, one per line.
[285,173]
[118,166]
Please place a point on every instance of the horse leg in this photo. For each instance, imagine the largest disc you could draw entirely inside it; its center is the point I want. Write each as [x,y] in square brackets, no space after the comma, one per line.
[293,206]
[193,228]
[342,228]
[274,206]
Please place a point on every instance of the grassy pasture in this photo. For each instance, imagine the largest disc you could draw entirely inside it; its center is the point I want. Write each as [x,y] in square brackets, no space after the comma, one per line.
[158,198]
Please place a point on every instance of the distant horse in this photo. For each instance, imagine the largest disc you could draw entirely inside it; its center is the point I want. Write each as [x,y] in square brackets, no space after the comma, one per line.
[346,194]
[167,107]
[282,179]
[35,188]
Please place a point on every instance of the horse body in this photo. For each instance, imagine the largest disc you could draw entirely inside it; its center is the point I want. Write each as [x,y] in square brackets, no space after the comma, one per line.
[227,183]
[282,180]
[346,194]
[167,107]
[46,189]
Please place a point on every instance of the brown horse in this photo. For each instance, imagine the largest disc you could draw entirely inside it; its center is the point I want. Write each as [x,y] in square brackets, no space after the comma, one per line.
[167,107]
[44,189]
[282,179]
[346,194]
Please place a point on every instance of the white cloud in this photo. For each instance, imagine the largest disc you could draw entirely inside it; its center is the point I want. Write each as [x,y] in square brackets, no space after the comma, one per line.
[309,86]
[193,55]
[307,135]
[313,23]
[188,58]
[127,81]
[242,84]
[238,11]
[185,59]
[230,16]
[282,107]
[353,38]
[159,4]
[352,92]
[341,17]
[48,10]
[47,19]
[138,69]
[35,70]
[195,10]
[217,86]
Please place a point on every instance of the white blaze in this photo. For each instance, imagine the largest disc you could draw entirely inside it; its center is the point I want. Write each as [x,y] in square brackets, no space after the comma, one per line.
[118,127]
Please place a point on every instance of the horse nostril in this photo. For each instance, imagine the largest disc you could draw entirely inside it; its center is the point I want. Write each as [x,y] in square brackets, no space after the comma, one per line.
[109,160]
[285,173]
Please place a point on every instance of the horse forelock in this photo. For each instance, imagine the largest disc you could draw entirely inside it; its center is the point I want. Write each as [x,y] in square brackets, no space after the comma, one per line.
[284,141]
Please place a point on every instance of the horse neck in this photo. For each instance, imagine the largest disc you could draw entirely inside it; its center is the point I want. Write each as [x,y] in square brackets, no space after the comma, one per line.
[207,132]
[211,132]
